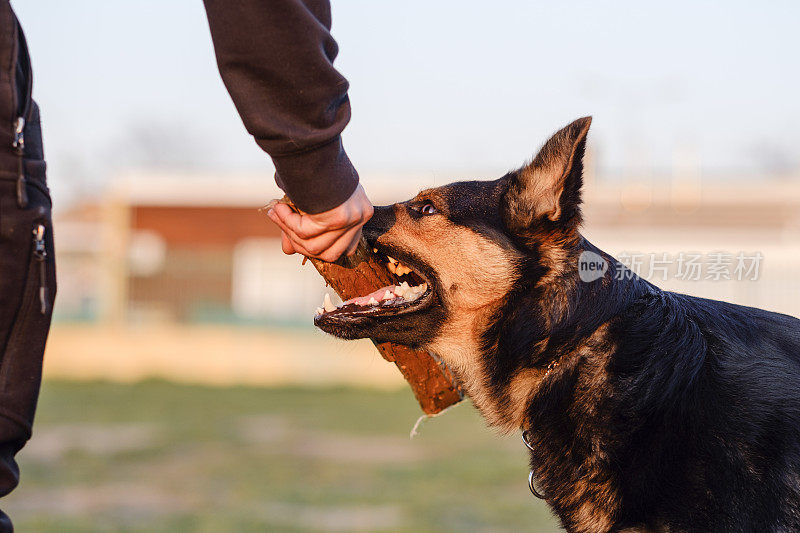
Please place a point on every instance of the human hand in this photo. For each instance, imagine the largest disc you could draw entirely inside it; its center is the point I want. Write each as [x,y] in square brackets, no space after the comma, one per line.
[325,235]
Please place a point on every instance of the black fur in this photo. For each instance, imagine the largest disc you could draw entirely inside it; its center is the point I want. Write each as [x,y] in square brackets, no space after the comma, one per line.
[697,425]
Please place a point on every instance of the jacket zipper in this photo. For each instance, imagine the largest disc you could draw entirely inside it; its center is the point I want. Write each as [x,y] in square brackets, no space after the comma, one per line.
[40,256]
[20,330]
[19,125]
[19,147]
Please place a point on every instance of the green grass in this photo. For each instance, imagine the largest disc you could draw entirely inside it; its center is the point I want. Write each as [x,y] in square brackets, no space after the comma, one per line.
[160,457]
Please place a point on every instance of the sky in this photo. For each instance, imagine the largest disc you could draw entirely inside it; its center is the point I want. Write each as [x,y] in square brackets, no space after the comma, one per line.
[445,89]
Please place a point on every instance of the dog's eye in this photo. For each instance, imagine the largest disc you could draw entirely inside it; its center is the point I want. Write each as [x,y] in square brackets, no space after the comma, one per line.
[428,209]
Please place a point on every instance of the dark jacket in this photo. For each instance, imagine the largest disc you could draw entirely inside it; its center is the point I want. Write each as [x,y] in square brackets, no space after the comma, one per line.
[27,267]
[276,59]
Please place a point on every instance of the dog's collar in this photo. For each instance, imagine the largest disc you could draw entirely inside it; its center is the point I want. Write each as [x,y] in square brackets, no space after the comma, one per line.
[526,433]
[550,367]
[526,438]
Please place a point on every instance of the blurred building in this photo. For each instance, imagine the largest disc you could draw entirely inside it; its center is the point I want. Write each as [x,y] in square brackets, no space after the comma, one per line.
[718,220]
[178,249]
[198,249]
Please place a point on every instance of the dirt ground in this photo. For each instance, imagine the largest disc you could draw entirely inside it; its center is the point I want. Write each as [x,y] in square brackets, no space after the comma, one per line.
[216,355]
[157,457]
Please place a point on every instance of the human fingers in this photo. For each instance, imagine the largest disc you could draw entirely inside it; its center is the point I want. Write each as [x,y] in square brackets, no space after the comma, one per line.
[286,244]
[354,244]
[302,225]
[290,243]
[314,247]
[341,245]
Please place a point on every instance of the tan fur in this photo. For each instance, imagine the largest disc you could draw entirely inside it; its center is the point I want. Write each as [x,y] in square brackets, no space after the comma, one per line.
[546,174]
[595,353]
[544,189]
[518,392]
[592,518]
[561,260]
[540,184]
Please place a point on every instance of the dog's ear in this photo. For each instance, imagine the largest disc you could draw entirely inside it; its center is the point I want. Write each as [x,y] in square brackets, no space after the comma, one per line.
[550,185]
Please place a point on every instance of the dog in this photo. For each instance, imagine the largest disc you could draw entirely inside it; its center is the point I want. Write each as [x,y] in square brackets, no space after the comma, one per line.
[645,410]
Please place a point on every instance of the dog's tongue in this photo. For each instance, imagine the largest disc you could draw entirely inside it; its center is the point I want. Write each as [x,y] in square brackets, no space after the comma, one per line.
[382,296]
[384,293]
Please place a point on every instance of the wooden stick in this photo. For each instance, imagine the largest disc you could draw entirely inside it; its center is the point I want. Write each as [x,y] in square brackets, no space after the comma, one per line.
[362,273]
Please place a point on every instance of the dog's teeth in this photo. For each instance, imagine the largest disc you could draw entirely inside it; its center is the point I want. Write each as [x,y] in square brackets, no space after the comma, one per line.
[375,250]
[412,293]
[402,270]
[391,267]
[372,301]
[388,295]
[392,259]
[319,311]
[327,303]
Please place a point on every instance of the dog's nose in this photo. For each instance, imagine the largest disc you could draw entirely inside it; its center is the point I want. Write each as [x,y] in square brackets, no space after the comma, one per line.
[382,220]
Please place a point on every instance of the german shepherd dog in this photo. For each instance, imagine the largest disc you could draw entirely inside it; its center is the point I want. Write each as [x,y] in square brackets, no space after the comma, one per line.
[645,410]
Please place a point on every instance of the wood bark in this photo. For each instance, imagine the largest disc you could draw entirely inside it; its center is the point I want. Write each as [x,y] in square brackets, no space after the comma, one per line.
[362,273]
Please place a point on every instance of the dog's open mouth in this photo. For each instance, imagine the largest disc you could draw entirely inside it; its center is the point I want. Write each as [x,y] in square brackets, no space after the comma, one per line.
[412,291]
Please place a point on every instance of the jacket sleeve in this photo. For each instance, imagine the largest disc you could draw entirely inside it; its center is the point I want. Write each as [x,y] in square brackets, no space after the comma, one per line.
[276,60]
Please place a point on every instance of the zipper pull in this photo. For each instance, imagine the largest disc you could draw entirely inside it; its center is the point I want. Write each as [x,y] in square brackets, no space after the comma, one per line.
[19,147]
[40,253]
[22,187]
[19,135]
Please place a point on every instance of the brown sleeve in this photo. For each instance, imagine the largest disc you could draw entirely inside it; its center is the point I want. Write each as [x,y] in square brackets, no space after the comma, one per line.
[276,59]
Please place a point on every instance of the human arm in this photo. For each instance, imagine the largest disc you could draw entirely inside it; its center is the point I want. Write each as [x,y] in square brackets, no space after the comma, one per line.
[276,60]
